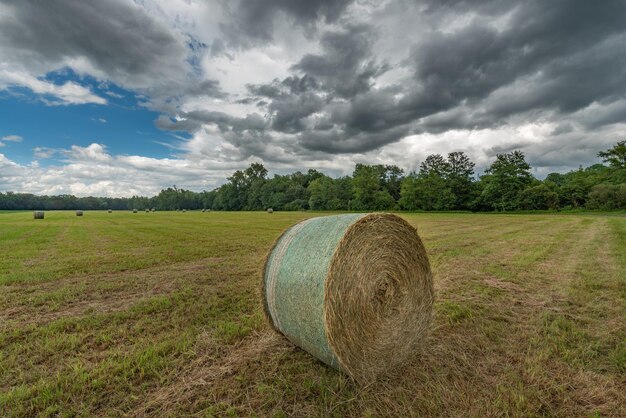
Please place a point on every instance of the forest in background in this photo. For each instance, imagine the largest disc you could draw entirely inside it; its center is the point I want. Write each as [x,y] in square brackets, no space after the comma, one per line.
[442,183]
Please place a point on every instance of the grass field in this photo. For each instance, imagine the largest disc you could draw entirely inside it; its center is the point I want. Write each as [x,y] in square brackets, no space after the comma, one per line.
[159,314]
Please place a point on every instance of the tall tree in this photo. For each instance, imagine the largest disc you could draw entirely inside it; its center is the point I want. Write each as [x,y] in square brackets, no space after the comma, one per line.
[616,156]
[507,177]
[460,179]
[369,190]
[433,187]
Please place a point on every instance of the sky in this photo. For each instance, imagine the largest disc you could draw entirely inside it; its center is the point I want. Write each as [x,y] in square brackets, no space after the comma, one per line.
[123,97]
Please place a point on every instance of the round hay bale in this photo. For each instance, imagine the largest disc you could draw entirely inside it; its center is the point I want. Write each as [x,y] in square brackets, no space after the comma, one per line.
[355,291]
[147,210]
[79,213]
[38,214]
[270,210]
[153,210]
[184,210]
[134,210]
[203,210]
[109,211]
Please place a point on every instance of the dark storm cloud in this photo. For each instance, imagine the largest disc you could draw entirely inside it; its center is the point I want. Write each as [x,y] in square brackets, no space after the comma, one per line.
[116,37]
[292,99]
[346,66]
[335,141]
[501,149]
[252,21]
[290,85]
[482,7]
[564,49]
[193,121]
[559,56]
[344,69]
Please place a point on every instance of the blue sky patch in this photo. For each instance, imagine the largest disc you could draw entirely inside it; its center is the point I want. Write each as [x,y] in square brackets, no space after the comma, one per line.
[123,125]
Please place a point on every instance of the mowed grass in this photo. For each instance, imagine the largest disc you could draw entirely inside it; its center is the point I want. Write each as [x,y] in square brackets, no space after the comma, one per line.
[158,314]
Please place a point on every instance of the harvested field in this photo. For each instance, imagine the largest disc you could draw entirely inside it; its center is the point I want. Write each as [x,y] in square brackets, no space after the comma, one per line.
[124,315]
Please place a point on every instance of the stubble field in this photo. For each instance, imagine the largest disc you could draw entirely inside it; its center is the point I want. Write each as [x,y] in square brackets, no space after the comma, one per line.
[158,314]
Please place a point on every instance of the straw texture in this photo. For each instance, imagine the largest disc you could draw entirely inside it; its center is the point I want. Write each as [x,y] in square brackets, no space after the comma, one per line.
[353,290]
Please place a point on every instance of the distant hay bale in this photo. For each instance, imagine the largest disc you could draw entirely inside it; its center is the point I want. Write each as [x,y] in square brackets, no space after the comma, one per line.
[353,290]
[147,210]
[270,210]
[109,211]
[184,210]
[38,214]
[203,210]
[79,213]
[134,210]
[153,210]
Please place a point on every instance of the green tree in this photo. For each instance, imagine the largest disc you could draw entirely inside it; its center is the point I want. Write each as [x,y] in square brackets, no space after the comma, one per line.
[607,197]
[321,191]
[411,197]
[509,175]
[539,197]
[366,181]
[460,179]
[616,156]
[433,187]
[391,179]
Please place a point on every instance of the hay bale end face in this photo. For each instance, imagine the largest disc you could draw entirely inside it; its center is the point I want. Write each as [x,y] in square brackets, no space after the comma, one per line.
[354,290]
[79,213]
[38,214]
[270,210]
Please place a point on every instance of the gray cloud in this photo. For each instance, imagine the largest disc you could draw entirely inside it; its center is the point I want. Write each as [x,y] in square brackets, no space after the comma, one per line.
[251,22]
[345,69]
[116,38]
[346,66]
[557,56]
[193,121]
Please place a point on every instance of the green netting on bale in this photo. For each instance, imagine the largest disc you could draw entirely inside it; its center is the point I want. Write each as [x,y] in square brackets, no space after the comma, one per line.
[295,274]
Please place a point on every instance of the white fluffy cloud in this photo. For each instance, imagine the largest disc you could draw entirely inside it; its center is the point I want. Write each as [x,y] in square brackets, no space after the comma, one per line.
[91,170]
[10,138]
[67,93]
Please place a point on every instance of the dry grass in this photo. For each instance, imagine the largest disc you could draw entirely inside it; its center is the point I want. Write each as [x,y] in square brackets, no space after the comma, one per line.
[529,320]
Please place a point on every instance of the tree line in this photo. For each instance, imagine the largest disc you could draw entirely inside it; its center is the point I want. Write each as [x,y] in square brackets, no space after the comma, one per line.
[442,183]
